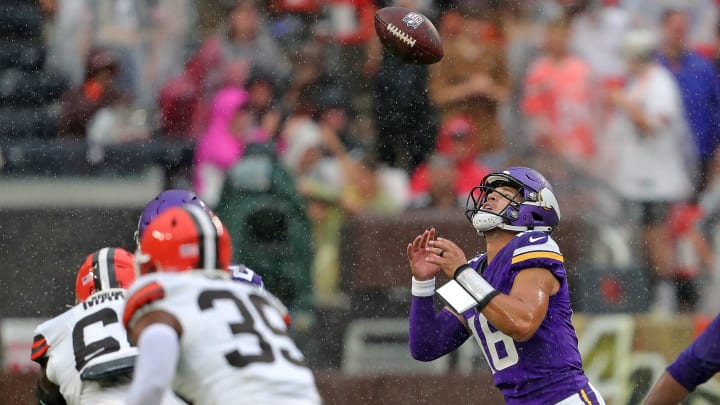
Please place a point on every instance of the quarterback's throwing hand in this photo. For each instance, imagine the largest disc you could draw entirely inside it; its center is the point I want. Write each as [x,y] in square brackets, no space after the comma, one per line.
[446,254]
[417,253]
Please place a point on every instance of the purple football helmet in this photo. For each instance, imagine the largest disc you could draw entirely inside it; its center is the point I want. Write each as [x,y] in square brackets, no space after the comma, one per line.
[165,200]
[538,209]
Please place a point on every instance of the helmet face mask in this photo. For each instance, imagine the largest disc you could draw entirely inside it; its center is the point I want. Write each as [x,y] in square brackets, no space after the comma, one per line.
[104,269]
[485,219]
[533,207]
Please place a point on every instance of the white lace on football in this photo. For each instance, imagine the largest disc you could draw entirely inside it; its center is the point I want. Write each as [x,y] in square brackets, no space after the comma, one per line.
[401,35]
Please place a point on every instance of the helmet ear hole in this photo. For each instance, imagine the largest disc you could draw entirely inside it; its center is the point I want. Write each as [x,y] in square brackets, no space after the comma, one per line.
[536,217]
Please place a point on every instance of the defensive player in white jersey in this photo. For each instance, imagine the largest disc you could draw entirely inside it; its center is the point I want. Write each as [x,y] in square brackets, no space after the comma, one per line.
[84,353]
[213,340]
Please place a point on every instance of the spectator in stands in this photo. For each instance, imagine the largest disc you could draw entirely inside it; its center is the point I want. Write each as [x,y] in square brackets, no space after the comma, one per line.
[148,38]
[693,254]
[69,38]
[648,14]
[263,101]
[247,40]
[304,154]
[230,129]
[524,30]
[441,174]
[227,58]
[455,142]
[335,111]
[326,216]
[309,71]
[713,51]
[320,180]
[596,34]
[699,84]
[649,137]
[335,185]
[366,191]
[368,188]
[561,102]
[346,29]
[172,26]
[473,79]
[100,89]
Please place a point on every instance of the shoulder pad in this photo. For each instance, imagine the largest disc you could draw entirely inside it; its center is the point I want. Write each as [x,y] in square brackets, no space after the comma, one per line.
[140,298]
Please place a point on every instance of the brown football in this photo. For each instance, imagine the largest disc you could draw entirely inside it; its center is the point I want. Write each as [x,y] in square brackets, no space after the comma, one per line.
[408,35]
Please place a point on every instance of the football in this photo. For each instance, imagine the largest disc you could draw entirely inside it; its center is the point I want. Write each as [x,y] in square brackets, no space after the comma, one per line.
[408,35]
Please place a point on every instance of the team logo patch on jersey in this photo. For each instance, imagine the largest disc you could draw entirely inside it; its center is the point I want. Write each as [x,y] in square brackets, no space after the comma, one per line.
[413,20]
[189,250]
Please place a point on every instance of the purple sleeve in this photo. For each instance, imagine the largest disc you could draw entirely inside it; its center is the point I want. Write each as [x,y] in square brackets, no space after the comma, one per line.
[433,335]
[699,361]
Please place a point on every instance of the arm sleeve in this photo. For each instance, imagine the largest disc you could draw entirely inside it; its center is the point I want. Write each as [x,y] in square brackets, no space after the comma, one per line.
[699,361]
[159,348]
[433,335]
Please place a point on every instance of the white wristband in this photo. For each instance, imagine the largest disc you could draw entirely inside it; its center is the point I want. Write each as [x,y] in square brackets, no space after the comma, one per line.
[475,285]
[424,288]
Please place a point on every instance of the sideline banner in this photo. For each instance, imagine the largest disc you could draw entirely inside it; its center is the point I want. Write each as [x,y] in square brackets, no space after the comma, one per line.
[625,354]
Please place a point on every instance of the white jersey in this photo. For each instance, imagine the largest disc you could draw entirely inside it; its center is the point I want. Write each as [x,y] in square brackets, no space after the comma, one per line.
[234,346]
[85,345]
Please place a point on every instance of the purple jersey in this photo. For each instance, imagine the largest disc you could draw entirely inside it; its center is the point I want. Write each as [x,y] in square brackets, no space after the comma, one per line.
[547,368]
[699,361]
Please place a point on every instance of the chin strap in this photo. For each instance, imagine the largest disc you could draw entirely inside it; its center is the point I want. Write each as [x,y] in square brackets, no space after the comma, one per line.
[524,228]
[485,221]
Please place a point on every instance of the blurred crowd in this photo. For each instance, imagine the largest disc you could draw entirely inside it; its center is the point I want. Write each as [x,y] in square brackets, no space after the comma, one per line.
[617,102]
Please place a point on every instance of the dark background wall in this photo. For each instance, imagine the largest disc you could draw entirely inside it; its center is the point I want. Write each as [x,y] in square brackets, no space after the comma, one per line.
[42,249]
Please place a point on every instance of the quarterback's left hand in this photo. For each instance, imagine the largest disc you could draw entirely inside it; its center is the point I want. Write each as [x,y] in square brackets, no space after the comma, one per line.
[446,254]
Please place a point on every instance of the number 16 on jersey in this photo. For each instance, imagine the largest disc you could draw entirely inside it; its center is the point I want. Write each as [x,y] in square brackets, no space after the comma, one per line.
[499,348]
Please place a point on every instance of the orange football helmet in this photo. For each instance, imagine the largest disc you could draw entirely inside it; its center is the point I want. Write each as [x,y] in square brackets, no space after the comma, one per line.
[184,238]
[106,268]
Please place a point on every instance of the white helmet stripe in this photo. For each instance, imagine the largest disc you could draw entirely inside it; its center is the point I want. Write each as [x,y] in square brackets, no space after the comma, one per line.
[102,268]
[208,242]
